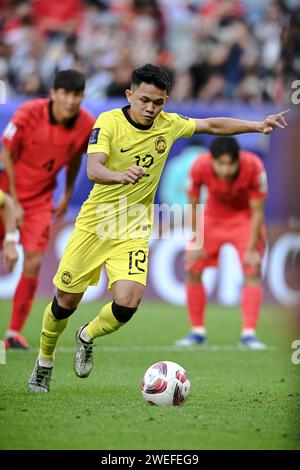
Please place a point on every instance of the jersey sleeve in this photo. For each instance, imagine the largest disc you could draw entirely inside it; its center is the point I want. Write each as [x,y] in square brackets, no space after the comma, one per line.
[182,126]
[195,180]
[13,133]
[101,135]
[1,198]
[259,186]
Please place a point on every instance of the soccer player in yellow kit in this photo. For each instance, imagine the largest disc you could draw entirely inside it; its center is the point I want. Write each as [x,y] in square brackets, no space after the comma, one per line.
[126,154]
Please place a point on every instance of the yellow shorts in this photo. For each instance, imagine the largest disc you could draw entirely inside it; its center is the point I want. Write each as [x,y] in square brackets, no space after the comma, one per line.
[85,254]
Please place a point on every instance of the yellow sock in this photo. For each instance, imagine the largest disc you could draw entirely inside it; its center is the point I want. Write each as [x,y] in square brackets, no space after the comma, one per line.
[51,331]
[104,324]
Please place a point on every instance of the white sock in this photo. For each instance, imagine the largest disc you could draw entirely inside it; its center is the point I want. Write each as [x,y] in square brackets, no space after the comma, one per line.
[45,363]
[84,336]
[248,332]
[11,333]
[200,330]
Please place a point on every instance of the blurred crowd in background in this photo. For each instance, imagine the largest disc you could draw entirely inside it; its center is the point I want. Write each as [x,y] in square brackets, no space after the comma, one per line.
[215,50]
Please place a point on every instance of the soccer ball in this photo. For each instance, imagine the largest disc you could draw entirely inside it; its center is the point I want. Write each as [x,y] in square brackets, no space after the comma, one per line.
[165,384]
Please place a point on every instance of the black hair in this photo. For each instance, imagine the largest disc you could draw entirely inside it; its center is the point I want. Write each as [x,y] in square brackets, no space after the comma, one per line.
[222,145]
[70,80]
[153,75]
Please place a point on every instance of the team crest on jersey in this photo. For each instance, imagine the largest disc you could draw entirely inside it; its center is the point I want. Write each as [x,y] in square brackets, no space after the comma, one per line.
[160,144]
[94,136]
[66,277]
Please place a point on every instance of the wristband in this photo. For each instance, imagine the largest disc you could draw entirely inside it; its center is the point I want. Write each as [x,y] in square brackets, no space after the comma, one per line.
[11,237]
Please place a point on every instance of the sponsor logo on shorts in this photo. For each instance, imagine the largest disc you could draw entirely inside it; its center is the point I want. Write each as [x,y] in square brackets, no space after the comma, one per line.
[66,277]
[160,144]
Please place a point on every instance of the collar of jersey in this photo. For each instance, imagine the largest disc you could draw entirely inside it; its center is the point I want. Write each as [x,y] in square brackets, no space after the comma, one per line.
[132,122]
[69,123]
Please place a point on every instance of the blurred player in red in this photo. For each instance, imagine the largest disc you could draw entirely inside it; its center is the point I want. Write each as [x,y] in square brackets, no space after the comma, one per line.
[234,213]
[43,136]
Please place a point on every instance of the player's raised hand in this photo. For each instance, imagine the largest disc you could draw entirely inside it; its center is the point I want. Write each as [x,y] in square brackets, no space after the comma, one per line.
[132,174]
[274,121]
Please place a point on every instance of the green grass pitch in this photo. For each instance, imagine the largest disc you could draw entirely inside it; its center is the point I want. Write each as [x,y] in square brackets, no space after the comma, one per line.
[239,399]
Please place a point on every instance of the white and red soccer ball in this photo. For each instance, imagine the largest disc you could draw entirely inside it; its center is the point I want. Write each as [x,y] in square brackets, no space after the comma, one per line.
[165,384]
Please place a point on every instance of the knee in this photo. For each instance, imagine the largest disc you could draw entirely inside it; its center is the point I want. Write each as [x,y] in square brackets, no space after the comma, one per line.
[252,280]
[193,277]
[67,300]
[59,312]
[123,313]
[129,299]
[32,263]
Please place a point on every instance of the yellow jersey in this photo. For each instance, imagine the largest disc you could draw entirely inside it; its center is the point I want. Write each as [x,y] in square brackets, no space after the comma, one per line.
[125,210]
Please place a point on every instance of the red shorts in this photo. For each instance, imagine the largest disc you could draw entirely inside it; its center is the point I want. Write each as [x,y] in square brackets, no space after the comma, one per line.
[234,230]
[35,231]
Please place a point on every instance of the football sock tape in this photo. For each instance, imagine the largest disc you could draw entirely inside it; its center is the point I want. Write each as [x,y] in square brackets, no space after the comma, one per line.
[121,313]
[59,312]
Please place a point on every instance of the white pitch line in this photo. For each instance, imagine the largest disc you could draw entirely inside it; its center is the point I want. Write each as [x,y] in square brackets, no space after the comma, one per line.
[150,349]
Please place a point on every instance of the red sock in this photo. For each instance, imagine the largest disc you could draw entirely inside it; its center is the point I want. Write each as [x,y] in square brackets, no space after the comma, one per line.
[196,301]
[250,303]
[22,302]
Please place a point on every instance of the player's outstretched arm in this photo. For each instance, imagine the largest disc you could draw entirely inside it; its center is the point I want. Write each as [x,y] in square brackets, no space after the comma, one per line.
[252,256]
[98,173]
[229,126]
[7,159]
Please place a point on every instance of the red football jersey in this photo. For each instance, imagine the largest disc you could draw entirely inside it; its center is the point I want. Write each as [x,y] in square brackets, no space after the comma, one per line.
[41,147]
[228,198]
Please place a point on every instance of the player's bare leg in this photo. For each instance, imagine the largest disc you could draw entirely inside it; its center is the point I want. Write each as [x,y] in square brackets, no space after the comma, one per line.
[126,298]
[251,300]
[22,300]
[55,320]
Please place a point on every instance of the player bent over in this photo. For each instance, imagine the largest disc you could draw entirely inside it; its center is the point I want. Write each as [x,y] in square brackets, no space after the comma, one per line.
[43,136]
[236,183]
[126,155]
[9,249]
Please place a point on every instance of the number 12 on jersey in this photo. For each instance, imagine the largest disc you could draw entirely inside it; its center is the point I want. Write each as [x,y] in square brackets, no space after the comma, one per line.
[145,162]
